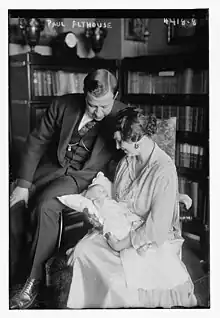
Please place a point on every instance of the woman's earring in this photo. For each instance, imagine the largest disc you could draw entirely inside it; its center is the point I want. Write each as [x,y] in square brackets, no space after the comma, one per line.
[115,95]
[136,146]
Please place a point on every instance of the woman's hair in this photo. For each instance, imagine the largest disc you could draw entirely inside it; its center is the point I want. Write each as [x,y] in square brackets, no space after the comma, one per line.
[99,82]
[133,124]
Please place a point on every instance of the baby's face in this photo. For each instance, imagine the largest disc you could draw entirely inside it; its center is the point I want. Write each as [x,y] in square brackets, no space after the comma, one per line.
[96,192]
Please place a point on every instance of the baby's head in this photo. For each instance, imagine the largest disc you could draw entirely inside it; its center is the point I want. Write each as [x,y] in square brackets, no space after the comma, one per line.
[96,191]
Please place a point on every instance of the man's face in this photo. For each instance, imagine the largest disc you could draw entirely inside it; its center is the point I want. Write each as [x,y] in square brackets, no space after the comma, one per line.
[99,107]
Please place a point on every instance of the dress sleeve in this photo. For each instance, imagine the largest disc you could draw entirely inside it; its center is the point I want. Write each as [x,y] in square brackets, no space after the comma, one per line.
[158,223]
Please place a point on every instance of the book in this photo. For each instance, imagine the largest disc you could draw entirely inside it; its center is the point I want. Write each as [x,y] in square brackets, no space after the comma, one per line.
[49,82]
[188,118]
[187,81]
[194,197]
[40,81]
[54,83]
[195,119]
[35,83]
[181,155]
[44,84]
[187,155]
[177,157]
[200,157]
[182,119]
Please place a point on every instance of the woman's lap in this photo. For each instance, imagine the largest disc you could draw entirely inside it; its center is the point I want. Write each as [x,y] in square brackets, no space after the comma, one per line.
[99,279]
[98,274]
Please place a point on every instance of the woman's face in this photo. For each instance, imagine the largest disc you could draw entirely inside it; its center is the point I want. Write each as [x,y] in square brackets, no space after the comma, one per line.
[127,147]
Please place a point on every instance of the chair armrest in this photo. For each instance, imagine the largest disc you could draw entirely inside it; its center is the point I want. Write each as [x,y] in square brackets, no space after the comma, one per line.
[186,200]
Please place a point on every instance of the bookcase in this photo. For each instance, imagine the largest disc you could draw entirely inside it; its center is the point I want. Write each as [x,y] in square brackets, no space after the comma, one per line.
[35,80]
[177,86]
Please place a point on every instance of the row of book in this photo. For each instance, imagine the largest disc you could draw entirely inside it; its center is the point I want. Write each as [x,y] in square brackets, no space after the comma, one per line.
[190,119]
[168,82]
[189,156]
[199,200]
[56,83]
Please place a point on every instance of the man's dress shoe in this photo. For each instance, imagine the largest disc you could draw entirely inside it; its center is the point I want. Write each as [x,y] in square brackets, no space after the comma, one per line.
[25,298]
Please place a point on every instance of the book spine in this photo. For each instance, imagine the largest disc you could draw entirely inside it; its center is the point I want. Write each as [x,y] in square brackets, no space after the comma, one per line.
[177,117]
[35,83]
[58,83]
[49,82]
[73,83]
[194,196]
[185,157]
[165,110]
[177,154]
[195,119]
[187,118]
[200,203]
[181,185]
[196,157]
[40,83]
[201,120]
[188,81]
[188,155]
[129,79]
[45,92]
[191,156]
[201,157]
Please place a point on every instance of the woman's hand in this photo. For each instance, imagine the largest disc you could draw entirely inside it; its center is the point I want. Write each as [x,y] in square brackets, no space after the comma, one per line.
[118,245]
[19,194]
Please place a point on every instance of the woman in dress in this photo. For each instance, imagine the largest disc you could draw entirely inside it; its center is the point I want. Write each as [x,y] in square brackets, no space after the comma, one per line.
[146,180]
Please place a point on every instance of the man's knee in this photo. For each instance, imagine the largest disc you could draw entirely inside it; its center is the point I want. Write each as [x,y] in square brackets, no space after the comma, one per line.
[49,207]
[18,218]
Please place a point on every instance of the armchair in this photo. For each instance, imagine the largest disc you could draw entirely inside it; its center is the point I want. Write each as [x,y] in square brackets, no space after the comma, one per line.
[166,139]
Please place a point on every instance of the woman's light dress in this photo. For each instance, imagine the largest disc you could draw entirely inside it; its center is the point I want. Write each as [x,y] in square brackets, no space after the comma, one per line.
[103,278]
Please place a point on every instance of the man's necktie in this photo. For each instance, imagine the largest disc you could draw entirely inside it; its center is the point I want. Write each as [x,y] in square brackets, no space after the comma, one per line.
[87,127]
[82,132]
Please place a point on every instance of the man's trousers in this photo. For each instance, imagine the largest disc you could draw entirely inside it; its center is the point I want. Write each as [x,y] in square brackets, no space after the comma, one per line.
[43,225]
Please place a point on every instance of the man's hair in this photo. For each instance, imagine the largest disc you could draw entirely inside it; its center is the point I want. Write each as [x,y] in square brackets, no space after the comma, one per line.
[100,82]
[133,123]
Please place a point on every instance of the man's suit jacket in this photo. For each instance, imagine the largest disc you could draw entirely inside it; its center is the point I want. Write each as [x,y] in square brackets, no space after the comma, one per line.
[44,153]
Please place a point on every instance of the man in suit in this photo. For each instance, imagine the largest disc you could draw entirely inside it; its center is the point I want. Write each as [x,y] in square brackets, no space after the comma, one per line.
[72,143]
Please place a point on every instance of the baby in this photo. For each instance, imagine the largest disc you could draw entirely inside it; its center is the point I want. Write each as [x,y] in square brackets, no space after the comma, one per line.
[114,217]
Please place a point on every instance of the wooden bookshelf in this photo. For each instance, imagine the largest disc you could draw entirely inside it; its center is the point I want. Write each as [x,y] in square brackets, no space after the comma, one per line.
[192,138]
[199,100]
[192,174]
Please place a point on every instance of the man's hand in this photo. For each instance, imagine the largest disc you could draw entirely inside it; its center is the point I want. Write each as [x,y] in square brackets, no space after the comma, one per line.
[92,219]
[19,194]
[117,245]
